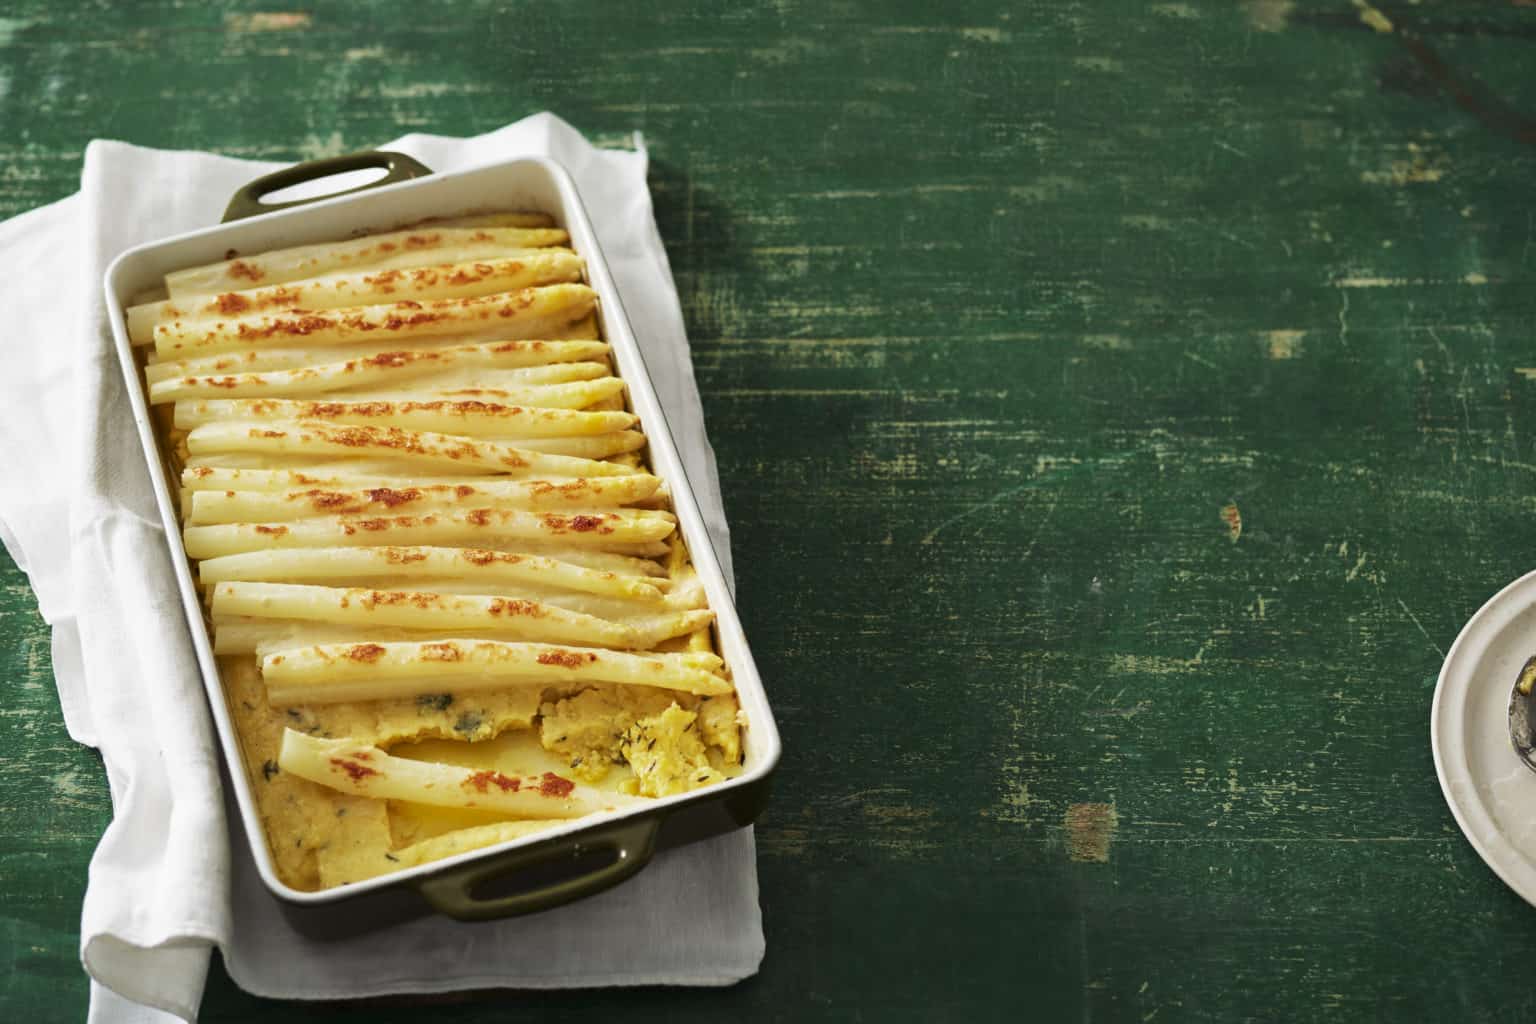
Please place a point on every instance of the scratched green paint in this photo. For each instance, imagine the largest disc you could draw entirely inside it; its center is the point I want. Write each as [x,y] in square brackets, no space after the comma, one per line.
[995,308]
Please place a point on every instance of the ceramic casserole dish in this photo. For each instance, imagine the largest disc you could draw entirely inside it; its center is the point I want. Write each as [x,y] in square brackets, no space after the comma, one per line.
[538,871]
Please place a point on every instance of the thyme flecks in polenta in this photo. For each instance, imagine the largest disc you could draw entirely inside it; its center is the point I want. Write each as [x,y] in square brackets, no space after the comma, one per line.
[448,599]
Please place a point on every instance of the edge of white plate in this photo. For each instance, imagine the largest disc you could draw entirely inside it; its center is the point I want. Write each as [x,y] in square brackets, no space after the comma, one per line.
[1449,742]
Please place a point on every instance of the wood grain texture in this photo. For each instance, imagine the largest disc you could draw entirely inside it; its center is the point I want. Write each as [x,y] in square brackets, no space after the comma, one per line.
[1117,413]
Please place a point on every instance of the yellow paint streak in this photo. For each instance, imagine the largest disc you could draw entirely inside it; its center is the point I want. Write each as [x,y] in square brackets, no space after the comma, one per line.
[314,147]
[975,33]
[1047,187]
[1154,664]
[1418,169]
[1284,344]
[1269,15]
[1106,341]
[1090,832]
[896,814]
[11,27]
[1376,282]
[1234,520]
[1373,19]
[268,21]
[1104,64]
[1402,173]
[1474,279]
[73,787]
[1016,803]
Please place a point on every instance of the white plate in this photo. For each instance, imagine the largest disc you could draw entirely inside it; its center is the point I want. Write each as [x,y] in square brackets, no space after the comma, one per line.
[1491,793]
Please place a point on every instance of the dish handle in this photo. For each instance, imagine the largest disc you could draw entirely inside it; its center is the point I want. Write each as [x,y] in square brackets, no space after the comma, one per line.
[247,202]
[453,892]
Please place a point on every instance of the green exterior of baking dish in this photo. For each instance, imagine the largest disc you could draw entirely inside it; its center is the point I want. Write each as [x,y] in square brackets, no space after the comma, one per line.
[247,201]
[540,875]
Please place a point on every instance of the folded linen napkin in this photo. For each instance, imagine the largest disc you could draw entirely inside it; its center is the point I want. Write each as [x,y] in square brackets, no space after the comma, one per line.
[173,876]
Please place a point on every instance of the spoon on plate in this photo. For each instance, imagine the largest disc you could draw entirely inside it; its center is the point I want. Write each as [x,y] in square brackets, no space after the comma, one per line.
[1521,733]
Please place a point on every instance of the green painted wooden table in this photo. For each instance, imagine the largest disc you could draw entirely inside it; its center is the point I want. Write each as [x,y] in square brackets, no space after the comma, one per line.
[1118,412]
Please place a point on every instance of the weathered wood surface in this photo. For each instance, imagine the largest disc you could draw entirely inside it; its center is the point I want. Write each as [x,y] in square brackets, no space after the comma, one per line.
[1118,413]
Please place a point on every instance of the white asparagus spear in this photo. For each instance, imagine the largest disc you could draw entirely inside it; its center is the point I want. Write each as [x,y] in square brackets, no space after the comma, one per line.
[264,636]
[396,471]
[593,446]
[388,370]
[627,531]
[333,673]
[493,568]
[414,497]
[253,474]
[360,769]
[508,617]
[641,612]
[395,249]
[467,417]
[585,329]
[265,360]
[511,271]
[588,558]
[243,635]
[443,452]
[252,635]
[530,313]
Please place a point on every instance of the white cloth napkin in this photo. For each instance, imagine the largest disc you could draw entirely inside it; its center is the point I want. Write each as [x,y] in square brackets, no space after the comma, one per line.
[173,876]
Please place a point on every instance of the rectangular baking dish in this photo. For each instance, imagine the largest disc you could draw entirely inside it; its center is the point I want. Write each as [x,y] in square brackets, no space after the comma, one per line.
[621,842]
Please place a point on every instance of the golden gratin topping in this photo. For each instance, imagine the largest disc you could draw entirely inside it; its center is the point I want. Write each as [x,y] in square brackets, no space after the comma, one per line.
[449,600]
